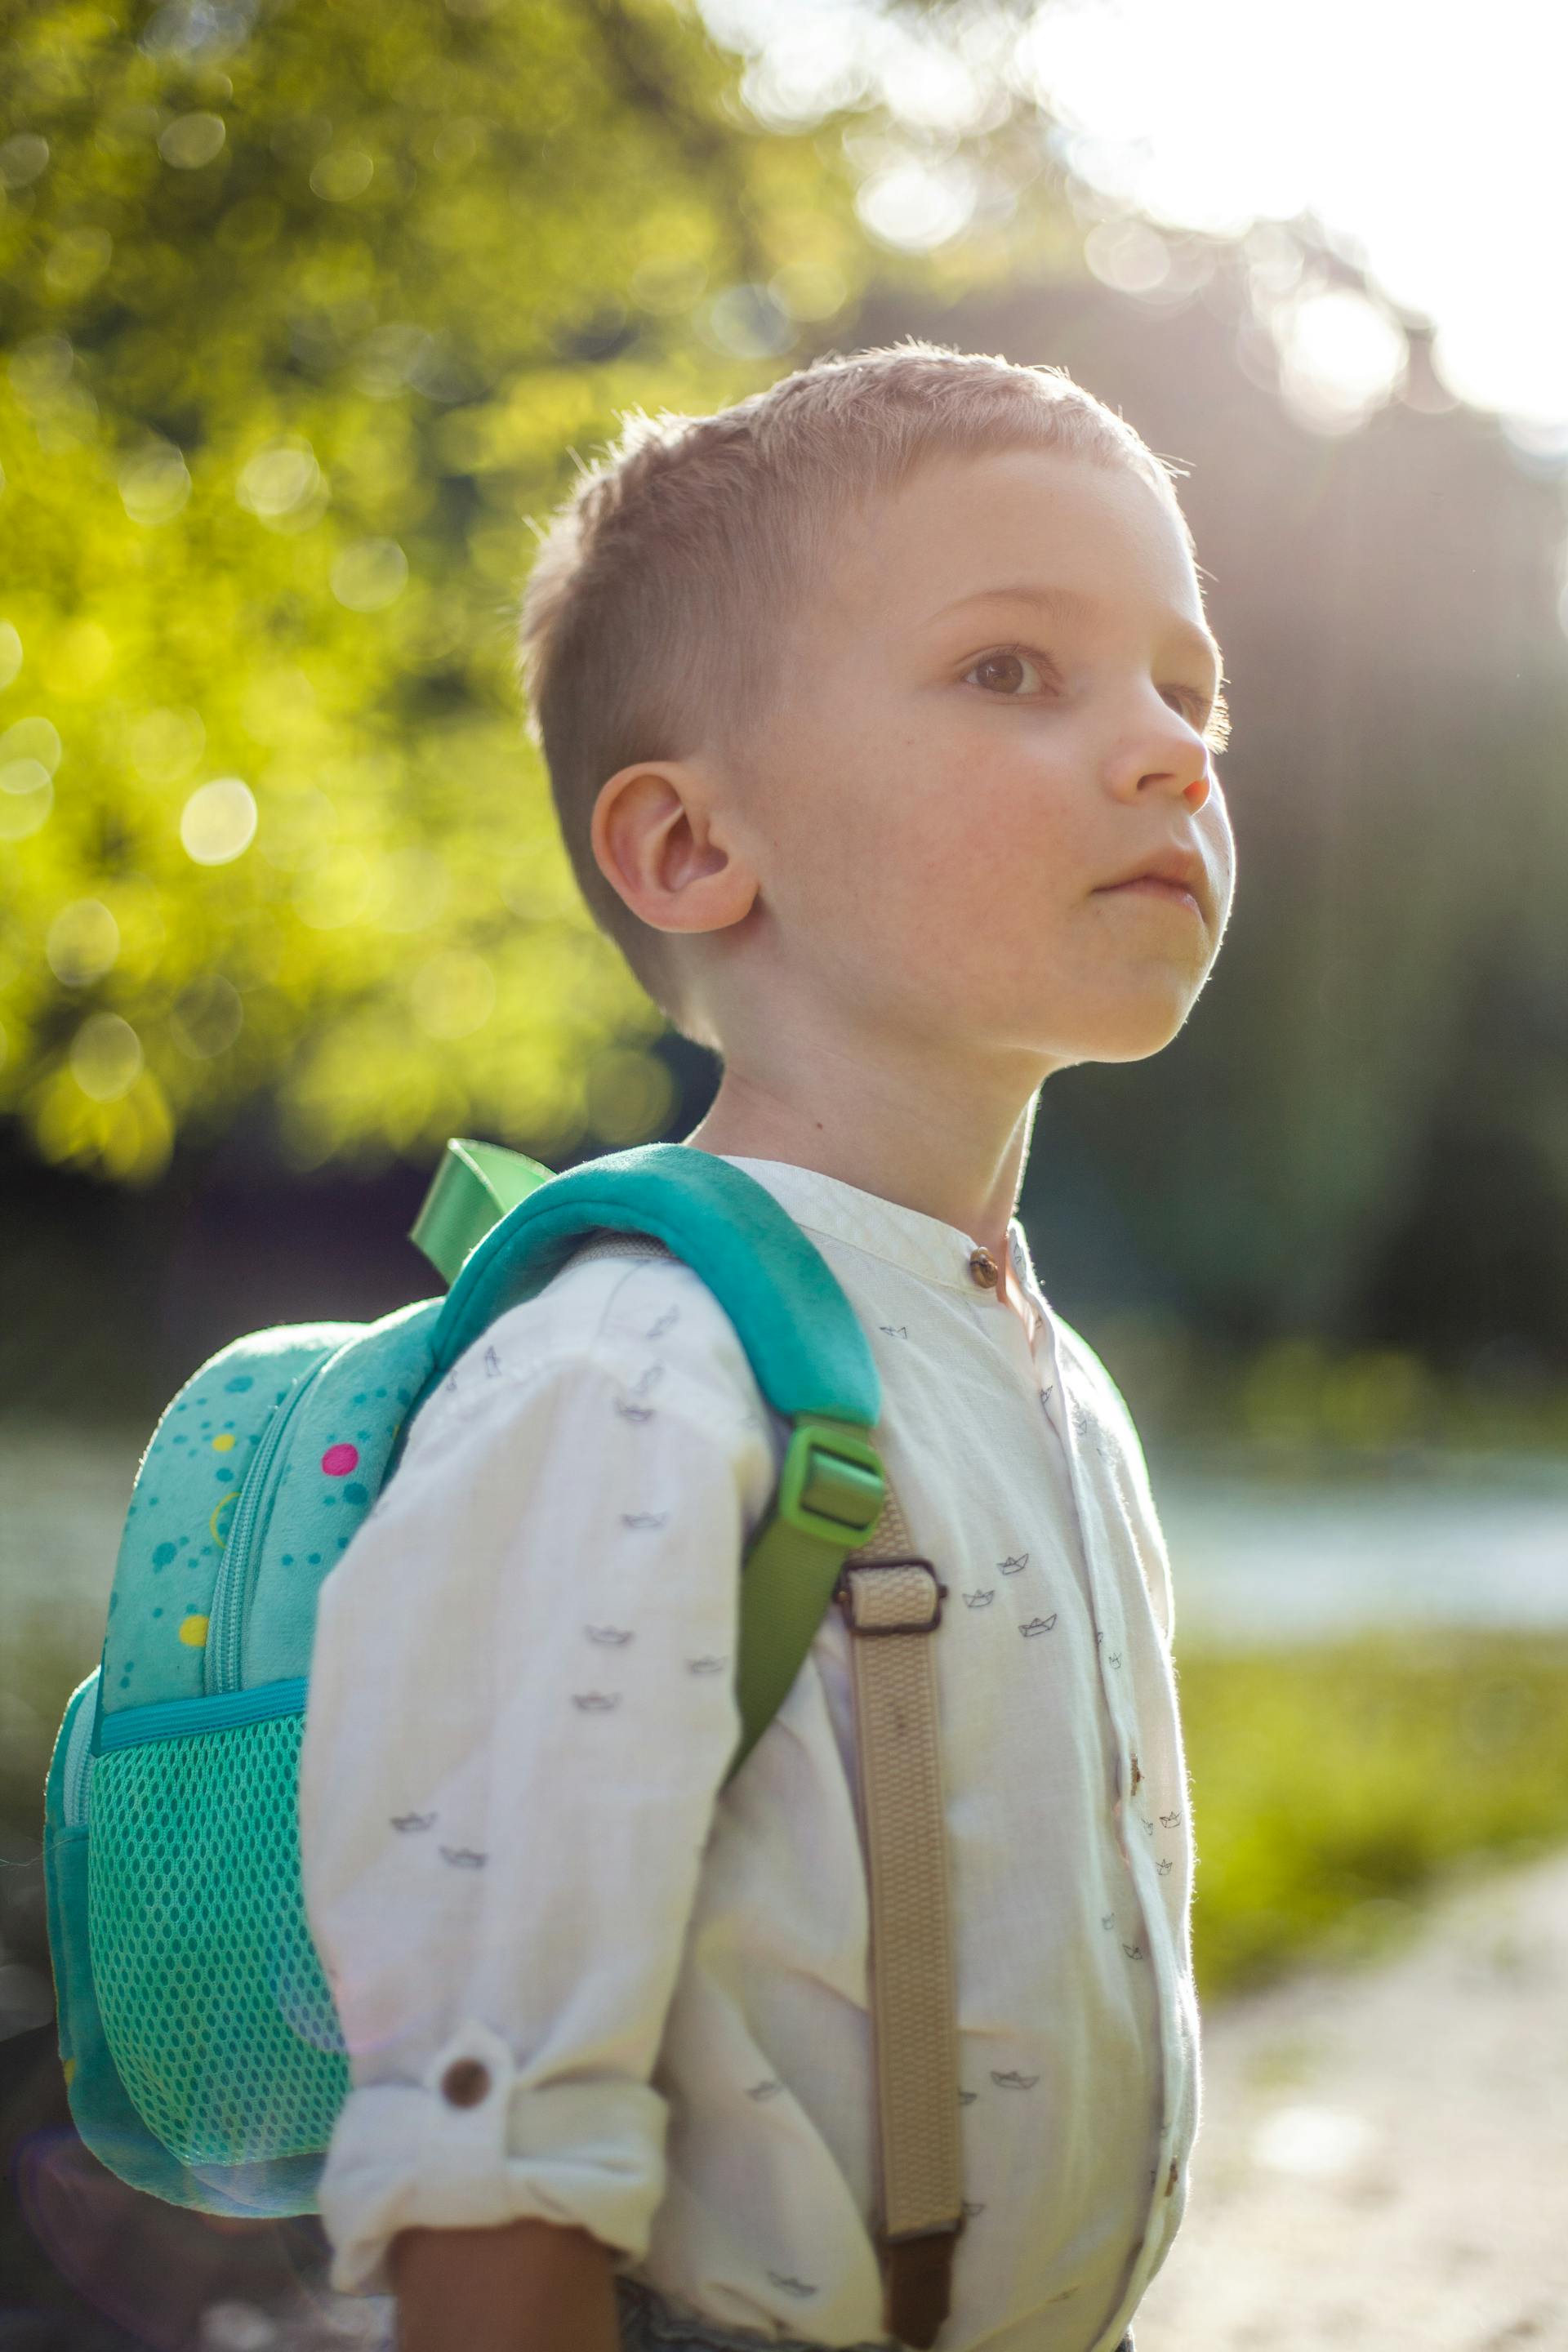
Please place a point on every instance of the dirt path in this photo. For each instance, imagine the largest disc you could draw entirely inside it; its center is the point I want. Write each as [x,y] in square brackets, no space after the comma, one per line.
[1383,2159]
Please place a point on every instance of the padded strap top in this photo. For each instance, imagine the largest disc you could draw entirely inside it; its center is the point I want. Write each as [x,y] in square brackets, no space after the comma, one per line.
[801,1335]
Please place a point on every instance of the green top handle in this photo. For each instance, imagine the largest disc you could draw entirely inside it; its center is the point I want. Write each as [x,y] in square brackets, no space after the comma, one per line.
[475,1184]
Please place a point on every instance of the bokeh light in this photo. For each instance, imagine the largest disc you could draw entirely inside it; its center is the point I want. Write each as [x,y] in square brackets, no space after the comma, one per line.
[219,822]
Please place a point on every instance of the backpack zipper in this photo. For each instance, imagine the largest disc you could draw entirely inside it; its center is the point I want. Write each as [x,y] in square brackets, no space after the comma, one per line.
[228,1621]
[78,1765]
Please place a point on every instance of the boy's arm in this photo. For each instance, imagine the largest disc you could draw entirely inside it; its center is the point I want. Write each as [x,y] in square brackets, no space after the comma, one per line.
[527,2287]
[520,1716]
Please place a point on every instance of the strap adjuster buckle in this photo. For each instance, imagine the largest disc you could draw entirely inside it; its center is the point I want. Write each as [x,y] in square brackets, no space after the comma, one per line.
[843,1593]
[831,1484]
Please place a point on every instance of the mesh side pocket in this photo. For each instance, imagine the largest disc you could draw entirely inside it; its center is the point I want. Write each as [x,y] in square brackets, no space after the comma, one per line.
[215,2008]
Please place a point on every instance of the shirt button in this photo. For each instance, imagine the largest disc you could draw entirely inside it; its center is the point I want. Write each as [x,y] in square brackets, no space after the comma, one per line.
[465,2083]
[982,1269]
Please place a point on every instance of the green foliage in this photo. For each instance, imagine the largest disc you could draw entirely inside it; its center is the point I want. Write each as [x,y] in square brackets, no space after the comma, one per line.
[1302,1407]
[305,311]
[1333,1786]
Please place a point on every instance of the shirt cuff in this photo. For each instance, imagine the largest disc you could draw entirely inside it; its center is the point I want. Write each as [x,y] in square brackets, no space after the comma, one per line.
[470,2148]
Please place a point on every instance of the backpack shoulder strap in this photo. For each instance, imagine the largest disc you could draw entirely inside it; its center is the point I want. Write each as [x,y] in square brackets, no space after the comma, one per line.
[801,1335]
[802,1338]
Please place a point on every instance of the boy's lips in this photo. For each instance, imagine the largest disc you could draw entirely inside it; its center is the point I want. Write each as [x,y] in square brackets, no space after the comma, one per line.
[1175,875]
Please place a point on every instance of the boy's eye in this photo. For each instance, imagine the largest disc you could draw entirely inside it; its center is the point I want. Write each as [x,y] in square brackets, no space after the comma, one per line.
[1006,672]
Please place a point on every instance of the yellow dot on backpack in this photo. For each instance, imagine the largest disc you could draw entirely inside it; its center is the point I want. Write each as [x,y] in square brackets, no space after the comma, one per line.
[224,1441]
[193,1632]
[69,2069]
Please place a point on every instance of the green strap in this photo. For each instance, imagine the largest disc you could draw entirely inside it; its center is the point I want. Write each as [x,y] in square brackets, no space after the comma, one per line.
[826,1504]
[475,1184]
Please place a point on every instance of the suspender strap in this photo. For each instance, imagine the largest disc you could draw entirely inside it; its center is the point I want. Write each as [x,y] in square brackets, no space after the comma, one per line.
[892,1602]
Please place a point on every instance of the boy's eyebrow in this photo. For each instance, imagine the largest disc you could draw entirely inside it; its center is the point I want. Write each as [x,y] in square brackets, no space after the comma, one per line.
[1071,604]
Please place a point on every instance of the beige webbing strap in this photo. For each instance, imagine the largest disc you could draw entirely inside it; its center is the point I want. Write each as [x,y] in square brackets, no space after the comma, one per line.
[892,1603]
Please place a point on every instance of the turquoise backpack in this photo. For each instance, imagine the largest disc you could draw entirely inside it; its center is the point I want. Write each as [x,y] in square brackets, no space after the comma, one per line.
[200,2046]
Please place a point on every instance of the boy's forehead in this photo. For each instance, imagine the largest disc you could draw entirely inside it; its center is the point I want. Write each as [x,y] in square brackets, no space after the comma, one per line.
[965,527]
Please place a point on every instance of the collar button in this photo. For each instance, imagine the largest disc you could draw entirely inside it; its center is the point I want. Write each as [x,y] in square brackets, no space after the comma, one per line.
[982,1269]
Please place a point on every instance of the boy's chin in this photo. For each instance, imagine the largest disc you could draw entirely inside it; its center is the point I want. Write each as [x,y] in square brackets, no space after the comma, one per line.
[1131,1033]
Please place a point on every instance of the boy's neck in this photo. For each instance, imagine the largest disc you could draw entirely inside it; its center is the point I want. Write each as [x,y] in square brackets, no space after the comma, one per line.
[945,1158]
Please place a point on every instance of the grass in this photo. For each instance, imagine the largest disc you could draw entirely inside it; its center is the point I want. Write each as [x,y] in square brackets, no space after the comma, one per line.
[1333,1788]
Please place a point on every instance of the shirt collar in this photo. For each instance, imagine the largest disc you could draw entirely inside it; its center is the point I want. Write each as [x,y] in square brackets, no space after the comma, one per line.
[921,1246]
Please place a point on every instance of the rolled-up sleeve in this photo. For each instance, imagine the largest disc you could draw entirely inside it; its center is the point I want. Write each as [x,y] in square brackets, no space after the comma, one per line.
[521,1713]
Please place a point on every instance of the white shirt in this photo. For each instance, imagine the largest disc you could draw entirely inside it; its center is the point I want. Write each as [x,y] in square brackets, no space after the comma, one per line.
[519,1853]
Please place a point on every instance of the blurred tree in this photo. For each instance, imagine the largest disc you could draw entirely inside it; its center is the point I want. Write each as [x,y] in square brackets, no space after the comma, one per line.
[306,310]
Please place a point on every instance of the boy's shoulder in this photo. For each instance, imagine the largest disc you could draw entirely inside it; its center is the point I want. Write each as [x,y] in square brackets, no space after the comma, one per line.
[643,1322]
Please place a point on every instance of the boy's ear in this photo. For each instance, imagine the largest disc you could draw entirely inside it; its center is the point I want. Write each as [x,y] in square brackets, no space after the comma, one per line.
[663,851]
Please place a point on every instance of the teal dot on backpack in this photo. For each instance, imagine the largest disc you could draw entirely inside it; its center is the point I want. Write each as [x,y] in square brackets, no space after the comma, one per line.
[163,1555]
[315,1560]
[238,1388]
[381,1393]
[224,1477]
[356,1493]
[360,1398]
[288,1560]
[342,1543]
[157,1613]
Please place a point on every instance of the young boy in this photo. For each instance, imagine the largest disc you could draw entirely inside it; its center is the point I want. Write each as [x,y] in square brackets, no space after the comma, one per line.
[877,710]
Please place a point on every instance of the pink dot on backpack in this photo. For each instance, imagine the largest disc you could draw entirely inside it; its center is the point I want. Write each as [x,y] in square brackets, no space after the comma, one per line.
[339,1460]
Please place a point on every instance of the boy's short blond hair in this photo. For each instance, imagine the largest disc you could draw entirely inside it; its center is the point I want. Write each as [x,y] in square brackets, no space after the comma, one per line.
[656,613]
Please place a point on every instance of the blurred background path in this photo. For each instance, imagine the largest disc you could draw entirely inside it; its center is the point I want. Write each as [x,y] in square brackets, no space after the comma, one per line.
[1383,2159]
